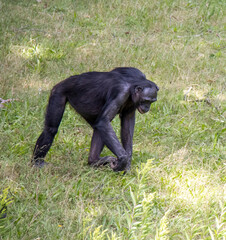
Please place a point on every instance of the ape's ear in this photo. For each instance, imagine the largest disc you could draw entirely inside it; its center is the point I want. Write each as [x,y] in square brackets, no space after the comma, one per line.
[136,92]
[138,89]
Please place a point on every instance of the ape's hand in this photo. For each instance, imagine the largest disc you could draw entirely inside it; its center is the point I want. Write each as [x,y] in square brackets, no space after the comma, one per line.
[119,164]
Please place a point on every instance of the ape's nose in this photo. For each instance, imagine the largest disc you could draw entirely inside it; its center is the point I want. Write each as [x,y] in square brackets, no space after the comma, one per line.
[153,100]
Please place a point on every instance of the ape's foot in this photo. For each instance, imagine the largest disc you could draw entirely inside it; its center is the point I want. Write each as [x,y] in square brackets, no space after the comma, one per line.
[113,162]
[39,163]
[104,161]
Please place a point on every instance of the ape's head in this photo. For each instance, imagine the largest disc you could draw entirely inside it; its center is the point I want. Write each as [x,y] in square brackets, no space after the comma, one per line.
[144,96]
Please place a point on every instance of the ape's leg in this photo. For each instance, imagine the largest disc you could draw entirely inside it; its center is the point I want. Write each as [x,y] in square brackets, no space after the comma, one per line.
[97,146]
[54,113]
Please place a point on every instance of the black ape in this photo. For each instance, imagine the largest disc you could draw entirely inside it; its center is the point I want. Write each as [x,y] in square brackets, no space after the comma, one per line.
[98,97]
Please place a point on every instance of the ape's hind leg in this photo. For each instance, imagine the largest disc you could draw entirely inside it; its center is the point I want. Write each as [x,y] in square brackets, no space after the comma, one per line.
[97,146]
[54,113]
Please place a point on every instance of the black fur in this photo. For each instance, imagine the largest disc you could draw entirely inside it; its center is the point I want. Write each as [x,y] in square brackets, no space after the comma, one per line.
[98,97]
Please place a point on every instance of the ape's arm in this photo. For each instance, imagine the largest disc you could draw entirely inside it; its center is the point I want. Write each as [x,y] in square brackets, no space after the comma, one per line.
[103,126]
[127,130]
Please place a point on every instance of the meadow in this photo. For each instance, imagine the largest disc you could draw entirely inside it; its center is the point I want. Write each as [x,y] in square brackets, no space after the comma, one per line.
[176,188]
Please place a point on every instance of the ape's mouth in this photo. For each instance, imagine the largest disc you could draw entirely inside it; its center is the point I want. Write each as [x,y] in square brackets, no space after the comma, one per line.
[140,110]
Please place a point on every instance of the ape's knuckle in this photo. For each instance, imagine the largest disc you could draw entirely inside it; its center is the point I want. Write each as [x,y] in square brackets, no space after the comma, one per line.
[124,158]
[120,164]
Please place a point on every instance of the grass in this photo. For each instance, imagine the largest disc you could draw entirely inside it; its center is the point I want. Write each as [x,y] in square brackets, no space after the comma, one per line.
[176,187]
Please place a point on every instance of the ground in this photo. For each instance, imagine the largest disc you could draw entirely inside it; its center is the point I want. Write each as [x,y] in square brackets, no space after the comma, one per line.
[176,186]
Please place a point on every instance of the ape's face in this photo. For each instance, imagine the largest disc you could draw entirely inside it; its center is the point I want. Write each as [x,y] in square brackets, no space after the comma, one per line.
[147,96]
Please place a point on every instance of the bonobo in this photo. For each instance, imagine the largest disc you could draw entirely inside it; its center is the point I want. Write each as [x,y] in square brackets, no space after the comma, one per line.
[98,97]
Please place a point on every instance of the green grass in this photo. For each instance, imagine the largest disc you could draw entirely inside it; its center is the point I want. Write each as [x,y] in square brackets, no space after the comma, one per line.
[176,187]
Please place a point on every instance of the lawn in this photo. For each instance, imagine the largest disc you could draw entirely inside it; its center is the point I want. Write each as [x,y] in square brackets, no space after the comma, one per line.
[176,188]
